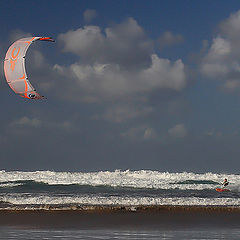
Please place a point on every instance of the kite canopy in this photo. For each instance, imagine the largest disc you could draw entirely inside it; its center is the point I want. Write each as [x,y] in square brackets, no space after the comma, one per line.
[14,67]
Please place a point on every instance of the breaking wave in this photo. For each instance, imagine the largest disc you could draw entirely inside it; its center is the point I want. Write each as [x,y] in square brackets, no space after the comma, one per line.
[132,179]
[115,188]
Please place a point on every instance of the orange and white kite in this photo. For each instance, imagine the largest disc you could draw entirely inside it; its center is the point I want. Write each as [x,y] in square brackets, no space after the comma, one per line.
[14,67]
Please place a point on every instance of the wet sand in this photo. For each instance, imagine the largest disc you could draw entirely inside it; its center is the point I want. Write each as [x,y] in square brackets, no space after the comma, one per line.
[122,217]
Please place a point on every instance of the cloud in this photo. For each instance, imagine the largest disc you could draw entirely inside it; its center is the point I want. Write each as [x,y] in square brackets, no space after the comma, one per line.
[222,60]
[89,15]
[122,112]
[169,39]
[116,65]
[230,28]
[103,81]
[38,123]
[213,133]
[215,62]
[25,121]
[124,44]
[178,131]
[65,125]
[140,133]
[232,84]
[149,133]
[41,73]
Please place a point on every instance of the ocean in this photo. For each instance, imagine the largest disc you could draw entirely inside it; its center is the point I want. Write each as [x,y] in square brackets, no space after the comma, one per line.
[132,188]
[125,192]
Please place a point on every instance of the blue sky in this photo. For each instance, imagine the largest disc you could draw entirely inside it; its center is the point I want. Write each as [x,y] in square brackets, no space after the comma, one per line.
[130,85]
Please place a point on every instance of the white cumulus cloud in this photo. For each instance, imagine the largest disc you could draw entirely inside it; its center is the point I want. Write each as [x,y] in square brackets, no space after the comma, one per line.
[222,60]
[112,65]
[125,44]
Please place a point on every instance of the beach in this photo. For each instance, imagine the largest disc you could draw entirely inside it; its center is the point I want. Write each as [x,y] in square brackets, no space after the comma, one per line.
[117,205]
[123,217]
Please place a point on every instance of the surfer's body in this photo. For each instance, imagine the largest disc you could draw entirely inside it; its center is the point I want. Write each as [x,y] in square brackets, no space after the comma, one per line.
[223,189]
[225,182]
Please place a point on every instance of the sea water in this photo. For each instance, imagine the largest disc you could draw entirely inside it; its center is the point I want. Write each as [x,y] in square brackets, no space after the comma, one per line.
[131,188]
[199,234]
[35,190]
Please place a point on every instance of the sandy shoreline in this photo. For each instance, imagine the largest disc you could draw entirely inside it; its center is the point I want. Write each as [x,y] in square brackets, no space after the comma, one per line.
[121,208]
[123,217]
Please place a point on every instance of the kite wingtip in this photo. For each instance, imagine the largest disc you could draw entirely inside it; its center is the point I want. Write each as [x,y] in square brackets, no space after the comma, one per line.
[49,39]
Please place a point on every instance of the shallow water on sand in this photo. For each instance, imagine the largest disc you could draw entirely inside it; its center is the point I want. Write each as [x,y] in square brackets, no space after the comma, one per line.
[13,233]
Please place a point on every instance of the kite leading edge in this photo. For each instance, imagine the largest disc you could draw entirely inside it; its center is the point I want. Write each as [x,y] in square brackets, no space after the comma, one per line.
[14,67]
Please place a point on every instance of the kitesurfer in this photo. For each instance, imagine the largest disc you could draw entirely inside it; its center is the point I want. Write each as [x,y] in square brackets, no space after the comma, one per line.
[225,182]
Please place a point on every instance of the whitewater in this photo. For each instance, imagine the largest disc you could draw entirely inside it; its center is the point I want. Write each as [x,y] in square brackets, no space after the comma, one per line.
[115,188]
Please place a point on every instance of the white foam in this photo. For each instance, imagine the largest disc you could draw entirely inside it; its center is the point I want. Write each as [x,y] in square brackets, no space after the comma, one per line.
[135,179]
[9,185]
[117,200]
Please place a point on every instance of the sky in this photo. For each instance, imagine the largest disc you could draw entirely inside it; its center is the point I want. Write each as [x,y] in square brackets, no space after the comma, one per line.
[151,85]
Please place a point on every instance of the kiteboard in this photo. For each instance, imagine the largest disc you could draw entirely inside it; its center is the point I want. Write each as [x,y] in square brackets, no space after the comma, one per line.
[222,190]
